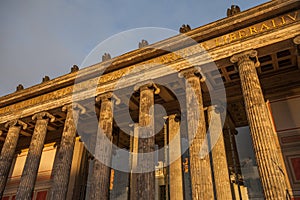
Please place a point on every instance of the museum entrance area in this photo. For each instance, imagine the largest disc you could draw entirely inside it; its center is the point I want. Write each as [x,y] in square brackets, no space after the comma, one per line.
[279,70]
[151,124]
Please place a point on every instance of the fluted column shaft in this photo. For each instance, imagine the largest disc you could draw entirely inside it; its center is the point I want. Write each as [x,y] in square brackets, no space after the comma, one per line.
[8,151]
[221,174]
[99,188]
[268,162]
[62,167]
[146,142]
[175,168]
[30,171]
[201,179]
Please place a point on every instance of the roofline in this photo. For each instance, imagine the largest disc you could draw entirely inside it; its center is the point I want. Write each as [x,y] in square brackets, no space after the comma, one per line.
[200,34]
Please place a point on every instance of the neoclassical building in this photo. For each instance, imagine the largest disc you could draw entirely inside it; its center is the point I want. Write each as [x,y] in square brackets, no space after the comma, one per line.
[224,127]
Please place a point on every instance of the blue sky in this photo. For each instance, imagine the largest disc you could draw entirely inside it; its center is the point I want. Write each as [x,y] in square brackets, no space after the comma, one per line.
[39,38]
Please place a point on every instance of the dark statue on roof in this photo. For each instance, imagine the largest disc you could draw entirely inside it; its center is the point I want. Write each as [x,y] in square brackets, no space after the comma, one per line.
[106,56]
[143,43]
[75,68]
[184,28]
[233,10]
[20,87]
[45,79]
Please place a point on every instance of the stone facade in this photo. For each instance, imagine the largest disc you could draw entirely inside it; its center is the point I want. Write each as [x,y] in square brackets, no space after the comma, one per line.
[256,59]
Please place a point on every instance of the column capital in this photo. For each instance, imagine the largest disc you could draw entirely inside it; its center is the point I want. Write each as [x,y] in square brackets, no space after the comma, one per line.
[16,122]
[135,124]
[176,117]
[149,84]
[192,72]
[108,96]
[80,140]
[74,106]
[43,115]
[245,56]
[296,40]
[56,144]
[217,108]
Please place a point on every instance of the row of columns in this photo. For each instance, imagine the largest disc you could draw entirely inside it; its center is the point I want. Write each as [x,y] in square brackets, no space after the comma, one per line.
[273,182]
[267,156]
[61,168]
[200,161]
[202,187]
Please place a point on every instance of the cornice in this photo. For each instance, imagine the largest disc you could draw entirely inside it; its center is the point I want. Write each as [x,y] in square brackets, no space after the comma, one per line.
[220,27]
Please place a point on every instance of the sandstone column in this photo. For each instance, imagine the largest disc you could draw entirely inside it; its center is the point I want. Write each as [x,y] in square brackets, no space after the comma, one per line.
[62,167]
[222,181]
[201,179]
[146,142]
[166,161]
[8,150]
[99,188]
[175,169]
[264,145]
[133,160]
[279,151]
[30,171]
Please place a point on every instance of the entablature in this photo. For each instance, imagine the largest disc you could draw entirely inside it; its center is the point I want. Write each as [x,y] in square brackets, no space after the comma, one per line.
[109,75]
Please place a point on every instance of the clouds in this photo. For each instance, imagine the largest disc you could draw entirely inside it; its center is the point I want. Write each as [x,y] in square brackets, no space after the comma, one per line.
[39,38]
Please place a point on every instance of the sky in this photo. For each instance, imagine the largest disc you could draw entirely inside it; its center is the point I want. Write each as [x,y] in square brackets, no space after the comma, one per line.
[39,38]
